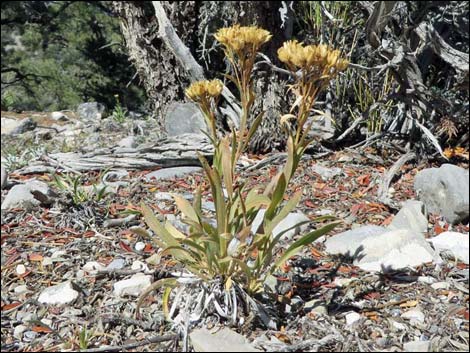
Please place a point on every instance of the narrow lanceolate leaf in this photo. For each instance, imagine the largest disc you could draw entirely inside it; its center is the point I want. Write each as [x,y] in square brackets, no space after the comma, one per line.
[305,240]
[289,206]
[227,169]
[157,227]
[254,126]
[277,197]
[185,207]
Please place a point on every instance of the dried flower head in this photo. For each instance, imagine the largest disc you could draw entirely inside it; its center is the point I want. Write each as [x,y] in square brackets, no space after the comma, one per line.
[238,39]
[318,58]
[203,90]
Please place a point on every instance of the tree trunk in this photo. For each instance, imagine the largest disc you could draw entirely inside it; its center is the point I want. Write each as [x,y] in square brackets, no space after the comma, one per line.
[195,23]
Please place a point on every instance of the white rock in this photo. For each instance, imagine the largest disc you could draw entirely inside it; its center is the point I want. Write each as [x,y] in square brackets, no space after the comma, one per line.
[457,244]
[133,286]
[59,116]
[116,264]
[375,249]
[139,265]
[27,196]
[343,282]
[291,220]
[348,243]
[440,285]
[20,269]
[18,331]
[413,216]
[139,246]
[325,172]
[21,289]
[163,196]
[417,346]
[224,340]
[426,279]
[395,250]
[414,314]
[352,318]
[398,325]
[93,266]
[62,293]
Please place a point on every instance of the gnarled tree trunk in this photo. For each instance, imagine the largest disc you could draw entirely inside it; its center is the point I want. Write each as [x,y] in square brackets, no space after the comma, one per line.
[163,76]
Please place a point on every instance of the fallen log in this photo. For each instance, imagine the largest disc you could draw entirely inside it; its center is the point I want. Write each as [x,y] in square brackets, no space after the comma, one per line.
[171,152]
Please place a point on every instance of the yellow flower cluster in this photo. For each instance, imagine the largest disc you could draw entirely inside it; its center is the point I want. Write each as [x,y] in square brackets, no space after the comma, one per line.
[319,57]
[238,39]
[204,90]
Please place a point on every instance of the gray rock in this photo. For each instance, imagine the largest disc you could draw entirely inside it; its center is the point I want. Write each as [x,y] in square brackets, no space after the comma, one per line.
[91,111]
[412,216]
[29,195]
[182,118]
[169,173]
[453,243]
[224,340]
[445,190]
[375,249]
[326,173]
[127,142]
[133,286]
[417,346]
[62,293]
[4,177]
[322,128]
[291,220]
[348,243]
[10,126]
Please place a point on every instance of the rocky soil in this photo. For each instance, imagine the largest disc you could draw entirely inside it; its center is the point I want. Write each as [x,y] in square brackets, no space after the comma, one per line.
[389,278]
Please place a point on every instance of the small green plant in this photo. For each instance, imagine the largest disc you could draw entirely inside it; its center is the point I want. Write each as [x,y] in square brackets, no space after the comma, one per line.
[229,251]
[79,194]
[119,113]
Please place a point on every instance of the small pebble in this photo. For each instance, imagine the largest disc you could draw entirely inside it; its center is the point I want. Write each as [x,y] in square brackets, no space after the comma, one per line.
[116,264]
[139,246]
[21,289]
[414,314]
[20,269]
[352,318]
[18,331]
[417,346]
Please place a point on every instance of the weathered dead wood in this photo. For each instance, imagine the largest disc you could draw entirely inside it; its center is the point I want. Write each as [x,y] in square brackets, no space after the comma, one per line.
[457,59]
[171,152]
[384,186]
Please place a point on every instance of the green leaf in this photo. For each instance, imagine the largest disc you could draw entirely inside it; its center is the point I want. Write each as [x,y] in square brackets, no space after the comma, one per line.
[255,126]
[277,197]
[289,206]
[185,207]
[157,227]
